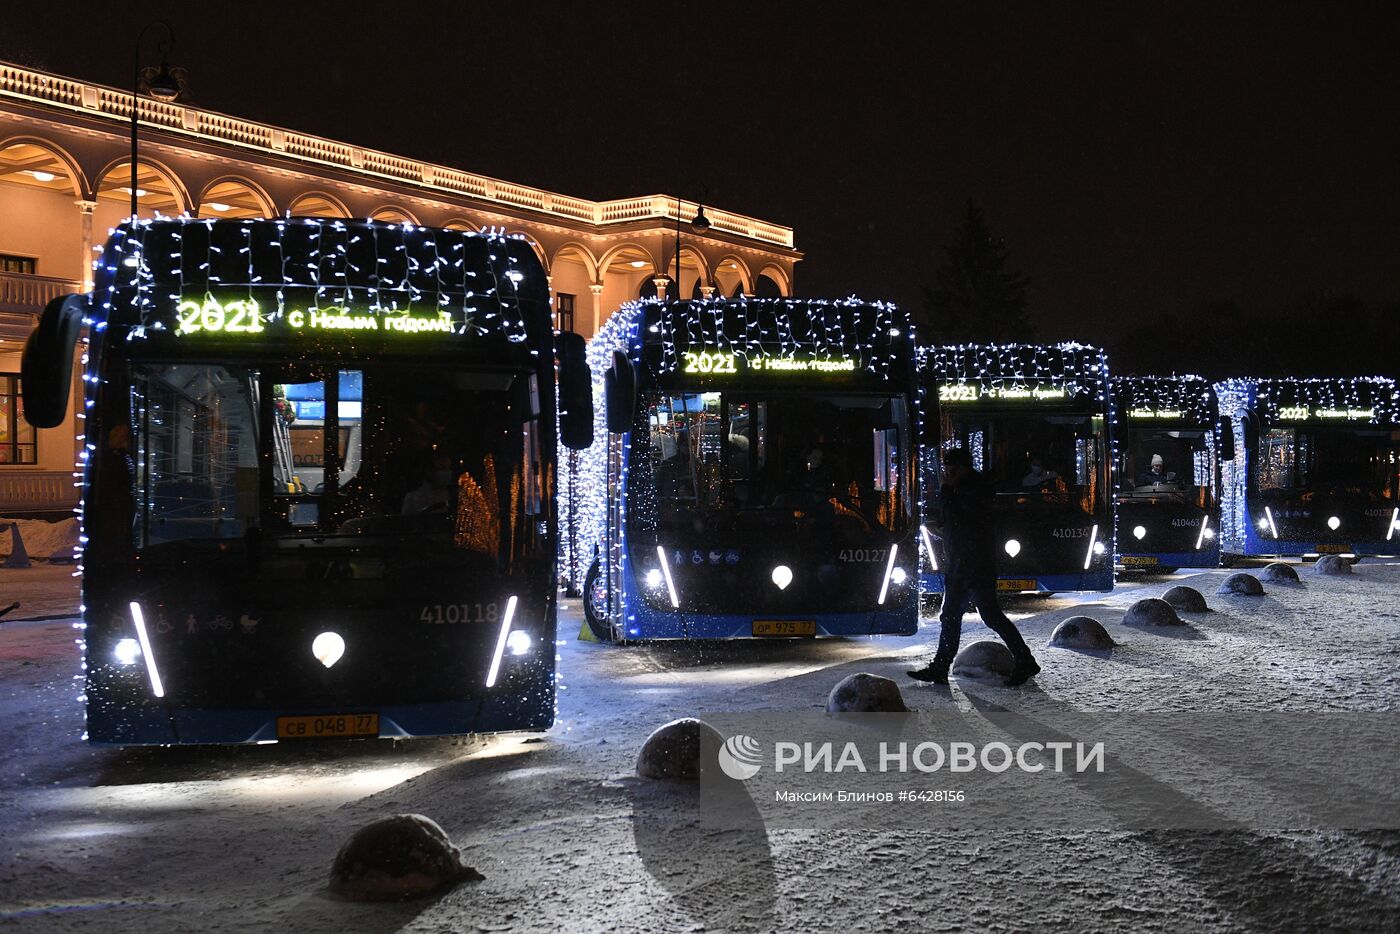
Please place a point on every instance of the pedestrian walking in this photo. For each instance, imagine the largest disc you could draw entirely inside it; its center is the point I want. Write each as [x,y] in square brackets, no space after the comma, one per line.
[970,575]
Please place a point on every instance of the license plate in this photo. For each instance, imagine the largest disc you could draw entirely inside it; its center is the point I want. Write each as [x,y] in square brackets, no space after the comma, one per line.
[1015,584]
[784,627]
[1333,549]
[328,726]
[1140,560]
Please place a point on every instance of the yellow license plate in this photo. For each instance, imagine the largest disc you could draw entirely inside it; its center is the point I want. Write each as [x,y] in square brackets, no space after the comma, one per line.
[784,627]
[1015,584]
[328,726]
[1333,549]
[1140,560]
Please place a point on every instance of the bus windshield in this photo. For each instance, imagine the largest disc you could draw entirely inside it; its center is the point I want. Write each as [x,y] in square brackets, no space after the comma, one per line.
[308,449]
[1037,459]
[1335,461]
[1168,462]
[720,460]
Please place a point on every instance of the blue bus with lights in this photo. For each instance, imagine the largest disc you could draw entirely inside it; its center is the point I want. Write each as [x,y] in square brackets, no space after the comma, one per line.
[1037,420]
[317,479]
[1317,469]
[1170,442]
[753,472]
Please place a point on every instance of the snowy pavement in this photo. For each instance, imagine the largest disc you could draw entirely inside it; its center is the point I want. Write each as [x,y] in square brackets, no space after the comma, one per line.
[243,839]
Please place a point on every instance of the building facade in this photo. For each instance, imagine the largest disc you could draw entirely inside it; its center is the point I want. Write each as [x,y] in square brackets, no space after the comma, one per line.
[66,179]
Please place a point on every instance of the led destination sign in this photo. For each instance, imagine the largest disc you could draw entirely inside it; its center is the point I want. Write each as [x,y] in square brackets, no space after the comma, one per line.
[245,317]
[721,363]
[969,392]
[1155,413]
[1301,413]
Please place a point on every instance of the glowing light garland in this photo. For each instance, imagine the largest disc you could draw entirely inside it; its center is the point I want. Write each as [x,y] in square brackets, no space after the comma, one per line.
[849,338]
[399,273]
[1000,372]
[1266,399]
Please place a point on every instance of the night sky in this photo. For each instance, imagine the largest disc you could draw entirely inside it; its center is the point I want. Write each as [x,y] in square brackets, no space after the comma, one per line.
[1140,160]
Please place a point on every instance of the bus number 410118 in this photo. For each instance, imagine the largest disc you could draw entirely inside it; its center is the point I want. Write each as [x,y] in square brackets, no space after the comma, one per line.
[450,613]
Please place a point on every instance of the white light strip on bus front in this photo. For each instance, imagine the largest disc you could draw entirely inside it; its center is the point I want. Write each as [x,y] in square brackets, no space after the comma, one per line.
[1394,520]
[666,572]
[1089,554]
[1205,524]
[889,569]
[928,546]
[157,688]
[501,643]
[1269,514]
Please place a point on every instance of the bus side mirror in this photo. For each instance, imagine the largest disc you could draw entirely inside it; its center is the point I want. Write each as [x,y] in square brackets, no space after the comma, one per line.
[1251,431]
[575,393]
[1227,439]
[620,385]
[46,368]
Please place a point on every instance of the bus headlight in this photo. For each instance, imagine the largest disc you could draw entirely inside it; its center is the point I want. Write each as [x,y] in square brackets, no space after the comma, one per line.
[898,576]
[519,642]
[1139,532]
[1099,548]
[1209,534]
[127,651]
[654,580]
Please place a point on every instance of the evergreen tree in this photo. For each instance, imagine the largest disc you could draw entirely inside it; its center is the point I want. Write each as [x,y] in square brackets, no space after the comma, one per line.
[975,298]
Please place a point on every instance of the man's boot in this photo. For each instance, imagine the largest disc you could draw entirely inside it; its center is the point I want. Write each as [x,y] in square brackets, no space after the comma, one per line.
[935,672]
[1024,669]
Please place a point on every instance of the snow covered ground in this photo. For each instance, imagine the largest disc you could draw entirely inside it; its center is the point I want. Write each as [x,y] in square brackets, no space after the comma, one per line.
[243,839]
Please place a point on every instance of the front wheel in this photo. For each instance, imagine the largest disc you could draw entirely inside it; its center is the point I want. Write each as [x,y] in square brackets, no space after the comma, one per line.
[595,603]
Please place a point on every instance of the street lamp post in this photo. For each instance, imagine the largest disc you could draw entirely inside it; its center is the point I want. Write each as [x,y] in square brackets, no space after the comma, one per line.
[699,223]
[164,86]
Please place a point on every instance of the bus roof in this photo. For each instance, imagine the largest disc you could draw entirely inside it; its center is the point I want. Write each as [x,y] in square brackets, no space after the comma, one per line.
[149,267]
[1365,399]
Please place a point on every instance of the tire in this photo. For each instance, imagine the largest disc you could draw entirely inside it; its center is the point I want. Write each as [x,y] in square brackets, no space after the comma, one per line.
[595,604]
[1163,569]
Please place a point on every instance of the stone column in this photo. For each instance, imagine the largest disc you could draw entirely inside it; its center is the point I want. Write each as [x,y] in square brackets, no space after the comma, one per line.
[660,283]
[85,267]
[597,291]
[707,292]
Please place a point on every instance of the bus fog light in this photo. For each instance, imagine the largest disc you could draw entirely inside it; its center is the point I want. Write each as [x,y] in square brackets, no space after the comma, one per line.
[328,647]
[1139,532]
[1013,547]
[519,642]
[898,575]
[782,576]
[653,578]
[127,651]
[1334,523]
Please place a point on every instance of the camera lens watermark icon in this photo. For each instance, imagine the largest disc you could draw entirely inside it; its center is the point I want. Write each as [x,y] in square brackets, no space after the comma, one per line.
[739,757]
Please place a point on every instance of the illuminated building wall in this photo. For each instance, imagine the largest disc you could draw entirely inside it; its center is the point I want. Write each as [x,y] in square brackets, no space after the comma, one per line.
[65,174]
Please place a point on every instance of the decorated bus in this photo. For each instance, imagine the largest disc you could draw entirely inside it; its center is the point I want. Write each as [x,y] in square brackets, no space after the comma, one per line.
[752,473]
[318,467]
[1037,421]
[1317,469]
[1170,442]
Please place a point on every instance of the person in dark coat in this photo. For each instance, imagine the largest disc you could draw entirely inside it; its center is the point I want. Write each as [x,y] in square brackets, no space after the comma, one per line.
[970,574]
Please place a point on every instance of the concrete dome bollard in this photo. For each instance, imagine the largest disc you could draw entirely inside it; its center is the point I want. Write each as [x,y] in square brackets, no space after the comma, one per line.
[1081,632]
[672,752]
[984,659]
[403,856]
[1152,611]
[1279,573]
[1186,600]
[1332,566]
[1245,584]
[865,693]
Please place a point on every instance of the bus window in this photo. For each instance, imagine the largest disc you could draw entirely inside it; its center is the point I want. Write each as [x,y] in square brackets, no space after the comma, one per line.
[196,463]
[1277,458]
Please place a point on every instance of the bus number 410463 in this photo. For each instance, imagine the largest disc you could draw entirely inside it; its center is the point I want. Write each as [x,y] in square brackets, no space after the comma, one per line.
[449,613]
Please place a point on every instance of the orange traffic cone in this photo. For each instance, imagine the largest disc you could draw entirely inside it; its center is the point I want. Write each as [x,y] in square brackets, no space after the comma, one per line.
[19,557]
